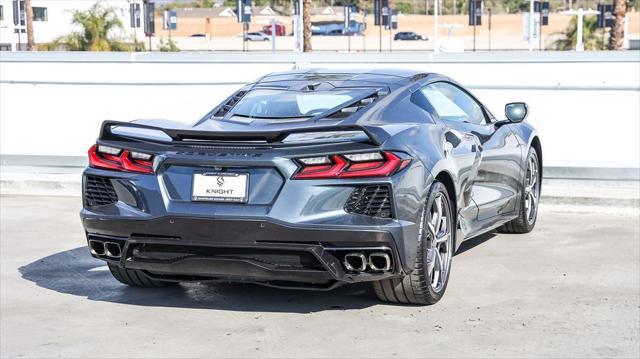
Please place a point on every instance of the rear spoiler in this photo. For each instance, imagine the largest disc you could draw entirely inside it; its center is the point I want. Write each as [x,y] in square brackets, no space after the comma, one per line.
[376,135]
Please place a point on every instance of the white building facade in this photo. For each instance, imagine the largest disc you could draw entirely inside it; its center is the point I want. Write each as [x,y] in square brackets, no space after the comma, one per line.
[52,18]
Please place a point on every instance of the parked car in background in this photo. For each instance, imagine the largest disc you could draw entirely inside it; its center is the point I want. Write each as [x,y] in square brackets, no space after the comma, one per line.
[336,28]
[257,36]
[409,35]
[281,30]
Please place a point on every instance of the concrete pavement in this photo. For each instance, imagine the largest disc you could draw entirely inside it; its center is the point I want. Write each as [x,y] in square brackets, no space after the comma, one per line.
[571,288]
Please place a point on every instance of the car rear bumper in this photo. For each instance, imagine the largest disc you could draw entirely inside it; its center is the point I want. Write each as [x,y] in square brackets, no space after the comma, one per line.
[199,249]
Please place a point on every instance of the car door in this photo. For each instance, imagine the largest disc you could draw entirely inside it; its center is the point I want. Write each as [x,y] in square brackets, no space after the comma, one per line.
[495,187]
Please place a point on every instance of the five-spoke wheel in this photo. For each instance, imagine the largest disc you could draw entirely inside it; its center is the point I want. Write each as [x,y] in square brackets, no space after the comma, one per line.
[436,242]
[439,248]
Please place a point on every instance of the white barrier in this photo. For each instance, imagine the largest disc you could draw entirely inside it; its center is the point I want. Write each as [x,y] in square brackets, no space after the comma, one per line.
[585,106]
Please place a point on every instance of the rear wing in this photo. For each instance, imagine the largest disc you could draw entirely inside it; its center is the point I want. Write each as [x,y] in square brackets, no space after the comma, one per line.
[131,131]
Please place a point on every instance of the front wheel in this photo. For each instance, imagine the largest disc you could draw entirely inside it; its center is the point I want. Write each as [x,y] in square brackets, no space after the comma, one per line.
[427,282]
[530,199]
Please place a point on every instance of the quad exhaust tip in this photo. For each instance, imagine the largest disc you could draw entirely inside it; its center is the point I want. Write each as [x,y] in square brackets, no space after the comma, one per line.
[379,262]
[97,248]
[358,262]
[112,249]
[355,262]
[109,249]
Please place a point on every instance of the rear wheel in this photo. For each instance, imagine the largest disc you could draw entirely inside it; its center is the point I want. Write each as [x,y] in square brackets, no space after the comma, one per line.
[135,278]
[530,200]
[428,281]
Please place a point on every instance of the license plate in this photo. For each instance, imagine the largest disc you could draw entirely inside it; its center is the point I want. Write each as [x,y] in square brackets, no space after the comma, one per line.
[220,187]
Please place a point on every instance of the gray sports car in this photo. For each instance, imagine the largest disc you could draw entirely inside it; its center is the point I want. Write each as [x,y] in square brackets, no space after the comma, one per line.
[313,179]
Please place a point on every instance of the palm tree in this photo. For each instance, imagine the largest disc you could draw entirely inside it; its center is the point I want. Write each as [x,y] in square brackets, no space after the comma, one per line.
[306,25]
[31,43]
[590,37]
[616,40]
[96,23]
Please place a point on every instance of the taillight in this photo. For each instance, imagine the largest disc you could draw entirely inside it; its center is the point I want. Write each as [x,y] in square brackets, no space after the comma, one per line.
[370,164]
[111,158]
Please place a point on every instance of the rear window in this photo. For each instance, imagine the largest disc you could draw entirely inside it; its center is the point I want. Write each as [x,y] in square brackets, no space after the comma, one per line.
[291,104]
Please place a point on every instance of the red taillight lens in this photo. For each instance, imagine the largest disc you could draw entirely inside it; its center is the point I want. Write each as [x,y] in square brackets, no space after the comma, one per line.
[135,165]
[109,158]
[322,171]
[341,167]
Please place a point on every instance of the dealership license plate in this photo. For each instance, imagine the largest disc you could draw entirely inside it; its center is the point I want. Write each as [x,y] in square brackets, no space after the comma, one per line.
[220,187]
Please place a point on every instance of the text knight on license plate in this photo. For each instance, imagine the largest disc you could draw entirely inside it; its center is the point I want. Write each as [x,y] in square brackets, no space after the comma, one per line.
[220,187]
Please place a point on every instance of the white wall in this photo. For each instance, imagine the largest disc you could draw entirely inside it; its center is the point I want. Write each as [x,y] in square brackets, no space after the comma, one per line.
[59,19]
[585,106]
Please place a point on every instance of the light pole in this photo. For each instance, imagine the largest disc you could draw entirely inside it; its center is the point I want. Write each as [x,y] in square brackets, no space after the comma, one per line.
[530,25]
[435,26]
[580,13]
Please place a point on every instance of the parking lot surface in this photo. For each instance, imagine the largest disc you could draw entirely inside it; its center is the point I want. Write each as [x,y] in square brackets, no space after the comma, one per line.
[571,288]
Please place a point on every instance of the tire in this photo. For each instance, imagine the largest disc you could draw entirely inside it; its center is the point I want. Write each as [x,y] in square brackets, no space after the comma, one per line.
[418,286]
[525,221]
[135,278]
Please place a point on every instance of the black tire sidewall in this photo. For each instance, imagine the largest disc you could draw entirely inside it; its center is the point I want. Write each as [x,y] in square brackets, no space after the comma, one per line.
[523,210]
[436,188]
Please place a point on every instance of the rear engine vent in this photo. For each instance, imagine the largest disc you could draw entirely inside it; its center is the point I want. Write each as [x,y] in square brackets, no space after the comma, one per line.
[227,106]
[99,191]
[374,201]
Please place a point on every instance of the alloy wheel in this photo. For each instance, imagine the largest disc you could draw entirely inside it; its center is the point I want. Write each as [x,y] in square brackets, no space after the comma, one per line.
[439,251]
[532,189]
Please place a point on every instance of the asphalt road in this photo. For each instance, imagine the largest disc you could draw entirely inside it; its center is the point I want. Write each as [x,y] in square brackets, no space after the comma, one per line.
[571,288]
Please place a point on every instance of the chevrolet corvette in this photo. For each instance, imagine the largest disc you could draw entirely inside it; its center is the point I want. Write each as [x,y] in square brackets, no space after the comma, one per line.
[312,179]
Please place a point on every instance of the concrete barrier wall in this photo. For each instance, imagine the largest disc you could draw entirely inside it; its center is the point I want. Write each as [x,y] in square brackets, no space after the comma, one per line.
[586,106]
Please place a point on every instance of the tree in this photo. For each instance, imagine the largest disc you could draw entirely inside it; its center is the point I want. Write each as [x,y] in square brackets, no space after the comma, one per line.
[31,43]
[96,23]
[590,37]
[616,38]
[404,7]
[306,23]
[169,46]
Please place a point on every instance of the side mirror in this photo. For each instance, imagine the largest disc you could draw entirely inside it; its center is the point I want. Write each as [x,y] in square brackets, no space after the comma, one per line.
[516,111]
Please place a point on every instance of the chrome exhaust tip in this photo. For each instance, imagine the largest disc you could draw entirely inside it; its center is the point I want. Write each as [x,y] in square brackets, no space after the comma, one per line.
[97,248]
[355,262]
[379,262]
[112,249]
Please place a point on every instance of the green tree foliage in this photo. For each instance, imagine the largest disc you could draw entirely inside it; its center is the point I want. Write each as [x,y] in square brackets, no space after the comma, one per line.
[169,46]
[96,23]
[404,7]
[592,38]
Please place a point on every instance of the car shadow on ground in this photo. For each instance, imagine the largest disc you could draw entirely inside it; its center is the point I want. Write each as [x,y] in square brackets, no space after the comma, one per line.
[474,242]
[75,272]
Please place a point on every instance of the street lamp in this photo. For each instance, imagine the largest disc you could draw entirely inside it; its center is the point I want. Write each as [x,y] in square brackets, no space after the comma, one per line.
[435,26]
[580,13]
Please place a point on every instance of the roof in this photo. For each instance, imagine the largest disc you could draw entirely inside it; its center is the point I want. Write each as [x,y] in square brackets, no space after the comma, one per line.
[327,10]
[263,11]
[205,12]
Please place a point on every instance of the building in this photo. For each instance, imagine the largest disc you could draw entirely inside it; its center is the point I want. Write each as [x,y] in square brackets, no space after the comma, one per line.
[205,12]
[52,18]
